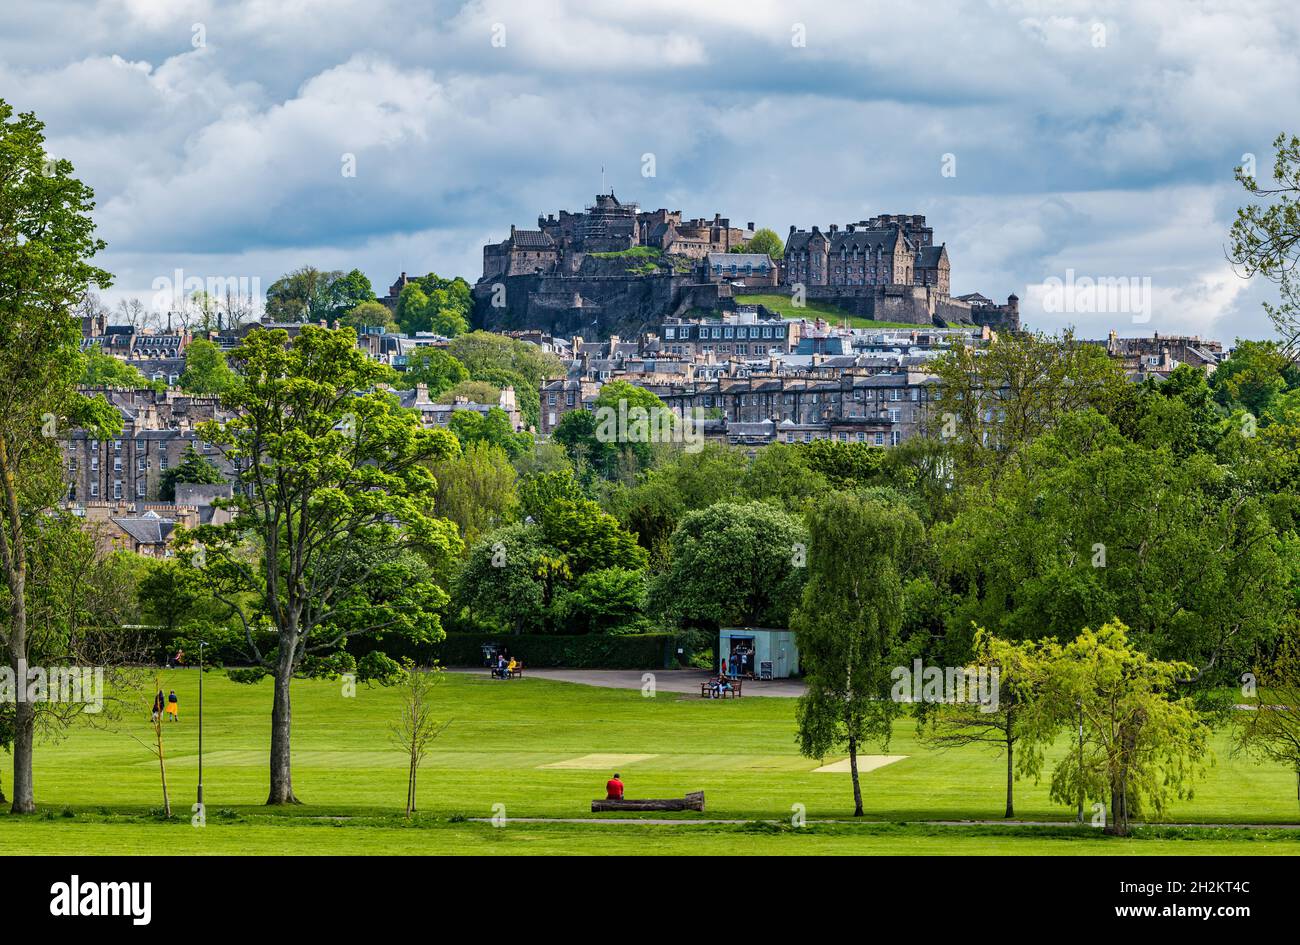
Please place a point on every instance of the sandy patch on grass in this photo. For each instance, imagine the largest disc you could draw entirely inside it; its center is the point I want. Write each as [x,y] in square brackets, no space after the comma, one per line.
[597,762]
[865,763]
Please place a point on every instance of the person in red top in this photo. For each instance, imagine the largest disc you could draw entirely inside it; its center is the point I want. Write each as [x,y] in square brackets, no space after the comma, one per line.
[614,789]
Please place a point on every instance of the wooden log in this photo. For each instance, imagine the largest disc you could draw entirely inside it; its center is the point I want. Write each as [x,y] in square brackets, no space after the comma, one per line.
[692,801]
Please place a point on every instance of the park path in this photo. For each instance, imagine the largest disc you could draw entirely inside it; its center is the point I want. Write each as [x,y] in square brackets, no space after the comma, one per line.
[684,681]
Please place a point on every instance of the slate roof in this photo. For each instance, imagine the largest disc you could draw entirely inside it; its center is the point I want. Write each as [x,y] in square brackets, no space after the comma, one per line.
[148,529]
[532,239]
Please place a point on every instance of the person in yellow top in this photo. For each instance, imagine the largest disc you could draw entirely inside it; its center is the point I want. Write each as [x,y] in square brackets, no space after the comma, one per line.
[510,667]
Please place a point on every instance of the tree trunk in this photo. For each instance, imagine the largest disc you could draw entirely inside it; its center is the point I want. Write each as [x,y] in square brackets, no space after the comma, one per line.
[281,722]
[692,801]
[1011,778]
[853,767]
[24,739]
[14,554]
[1118,825]
[410,789]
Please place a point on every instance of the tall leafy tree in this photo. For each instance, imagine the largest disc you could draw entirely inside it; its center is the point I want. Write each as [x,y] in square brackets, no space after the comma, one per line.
[304,295]
[337,500]
[1091,526]
[348,291]
[1142,745]
[434,368]
[476,489]
[103,370]
[1265,237]
[206,370]
[1007,725]
[1270,728]
[734,563]
[47,240]
[848,623]
[992,401]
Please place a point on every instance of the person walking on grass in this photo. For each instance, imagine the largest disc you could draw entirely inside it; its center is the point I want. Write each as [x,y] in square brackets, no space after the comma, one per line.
[614,788]
[173,707]
[159,705]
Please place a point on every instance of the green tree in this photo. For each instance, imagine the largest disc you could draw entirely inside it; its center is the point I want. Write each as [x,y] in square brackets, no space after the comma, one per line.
[492,428]
[995,400]
[47,239]
[476,489]
[349,291]
[369,314]
[848,623]
[1141,745]
[734,564]
[780,474]
[206,371]
[194,469]
[1270,729]
[337,503]
[170,594]
[1006,725]
[620,431]
[1090,526]
[476,392]
[303,295]
[432,303]
[1265,238]
[436,369]
[1253,376]
[653,507]
[104,370]
[763,241]
[607,600]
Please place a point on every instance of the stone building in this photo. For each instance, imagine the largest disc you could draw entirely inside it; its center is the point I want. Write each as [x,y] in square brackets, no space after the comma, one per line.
[157,428]
[743,334]
[1158,355]
[746,269]
[434,414]
[608,225]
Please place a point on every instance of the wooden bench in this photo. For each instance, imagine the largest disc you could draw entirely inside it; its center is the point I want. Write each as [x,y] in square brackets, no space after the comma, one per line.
[692,801]
[707,689]
[508,673]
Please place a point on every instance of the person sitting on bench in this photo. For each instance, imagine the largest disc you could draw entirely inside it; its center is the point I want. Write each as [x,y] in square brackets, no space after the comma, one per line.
[614,788]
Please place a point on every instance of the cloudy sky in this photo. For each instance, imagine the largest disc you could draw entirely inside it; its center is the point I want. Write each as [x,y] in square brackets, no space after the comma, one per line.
[1038,138]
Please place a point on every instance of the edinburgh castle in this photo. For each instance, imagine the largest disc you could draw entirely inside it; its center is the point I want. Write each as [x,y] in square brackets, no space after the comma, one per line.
[614,269]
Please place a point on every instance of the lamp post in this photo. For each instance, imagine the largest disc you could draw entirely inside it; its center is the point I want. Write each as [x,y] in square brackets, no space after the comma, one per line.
[202,644]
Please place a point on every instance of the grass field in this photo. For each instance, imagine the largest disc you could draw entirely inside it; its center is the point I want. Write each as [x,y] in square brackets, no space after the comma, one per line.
[812,309]
[524,745]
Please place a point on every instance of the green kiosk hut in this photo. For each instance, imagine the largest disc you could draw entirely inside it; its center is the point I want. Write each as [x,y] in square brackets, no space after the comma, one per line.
[758,652]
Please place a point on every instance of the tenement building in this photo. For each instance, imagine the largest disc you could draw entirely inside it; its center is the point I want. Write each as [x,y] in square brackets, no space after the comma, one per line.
[157,429]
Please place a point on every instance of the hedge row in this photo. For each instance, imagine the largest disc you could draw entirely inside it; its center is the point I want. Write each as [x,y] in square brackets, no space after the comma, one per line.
[592,651]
